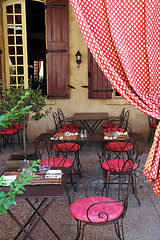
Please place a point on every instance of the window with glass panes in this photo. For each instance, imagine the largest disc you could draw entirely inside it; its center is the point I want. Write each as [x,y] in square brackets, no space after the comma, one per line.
[14,17]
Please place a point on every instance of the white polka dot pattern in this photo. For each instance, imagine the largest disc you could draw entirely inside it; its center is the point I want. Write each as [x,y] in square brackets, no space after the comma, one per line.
[123,38]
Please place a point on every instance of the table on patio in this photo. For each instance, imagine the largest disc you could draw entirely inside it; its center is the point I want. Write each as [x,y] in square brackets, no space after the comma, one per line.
[47,190]
[90,121]
[98,137]
[91,137]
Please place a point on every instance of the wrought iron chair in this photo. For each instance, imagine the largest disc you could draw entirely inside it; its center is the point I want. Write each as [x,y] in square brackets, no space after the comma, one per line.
[112,161]
[99,210]
[67,122]
[68,148]
[115,121]
[120,122]
[152,124]
[44,151]
[60,127]
[8,134]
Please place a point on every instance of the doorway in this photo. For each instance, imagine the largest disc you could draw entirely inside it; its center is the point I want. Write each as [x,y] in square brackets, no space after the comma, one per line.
[35,21]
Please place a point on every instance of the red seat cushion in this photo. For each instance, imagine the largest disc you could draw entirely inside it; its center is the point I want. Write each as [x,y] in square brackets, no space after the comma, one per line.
[154,125]
[8,131]
[114,129]
[71,125]
[119,146]
[18,126]
[63,130]
[116,165]
[57,162]
[66,147]
[79,208]
[110,125]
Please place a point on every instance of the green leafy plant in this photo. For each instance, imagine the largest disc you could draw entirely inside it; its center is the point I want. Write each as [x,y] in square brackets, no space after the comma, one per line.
[11,97]
[16,187]
[15,112]
[19,110]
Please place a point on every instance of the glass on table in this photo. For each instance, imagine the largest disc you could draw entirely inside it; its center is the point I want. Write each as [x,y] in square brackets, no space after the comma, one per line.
[81,134]
[44,168]
[85,133]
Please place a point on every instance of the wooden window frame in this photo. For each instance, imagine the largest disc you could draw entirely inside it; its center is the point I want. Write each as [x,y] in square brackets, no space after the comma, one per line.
[13,71]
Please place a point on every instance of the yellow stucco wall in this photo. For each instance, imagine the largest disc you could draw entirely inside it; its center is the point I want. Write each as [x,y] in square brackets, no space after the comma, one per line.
[79,101]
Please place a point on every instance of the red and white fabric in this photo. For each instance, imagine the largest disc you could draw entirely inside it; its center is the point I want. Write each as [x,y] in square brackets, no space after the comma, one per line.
[123,37]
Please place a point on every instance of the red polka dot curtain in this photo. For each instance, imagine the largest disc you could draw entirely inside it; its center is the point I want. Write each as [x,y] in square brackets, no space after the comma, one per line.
[123,38]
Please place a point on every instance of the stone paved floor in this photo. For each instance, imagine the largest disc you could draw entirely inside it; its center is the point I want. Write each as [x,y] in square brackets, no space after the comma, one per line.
[140,223]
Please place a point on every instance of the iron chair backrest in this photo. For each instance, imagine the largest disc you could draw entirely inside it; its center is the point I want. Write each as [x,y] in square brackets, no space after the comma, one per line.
[121,117]
[57,121]
[61,115]
[125,121]
[43,149]
[63,118]
[121,149]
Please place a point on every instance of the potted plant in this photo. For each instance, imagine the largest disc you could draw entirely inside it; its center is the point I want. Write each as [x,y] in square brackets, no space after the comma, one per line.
[34,99]
[16,186]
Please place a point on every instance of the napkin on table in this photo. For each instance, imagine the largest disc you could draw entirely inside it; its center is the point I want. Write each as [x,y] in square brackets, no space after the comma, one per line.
[54,173]
[9,179]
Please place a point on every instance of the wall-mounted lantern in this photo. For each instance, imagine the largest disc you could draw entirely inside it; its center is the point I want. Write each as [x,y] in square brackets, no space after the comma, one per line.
[78,58]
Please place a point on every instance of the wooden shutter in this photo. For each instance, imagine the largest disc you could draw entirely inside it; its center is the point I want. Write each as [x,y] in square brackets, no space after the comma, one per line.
[57,48]
[99,86]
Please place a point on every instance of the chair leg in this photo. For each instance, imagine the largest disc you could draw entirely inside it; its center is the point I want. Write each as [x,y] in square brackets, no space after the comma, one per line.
[67,193]
[150,135]
[119,229]
[134,188]
[19,141]
[105,190]
[76,162]
[80,230]
[70,173]
[7,139]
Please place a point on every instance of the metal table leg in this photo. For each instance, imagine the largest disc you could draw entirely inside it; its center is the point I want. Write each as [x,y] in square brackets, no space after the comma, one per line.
[34,219]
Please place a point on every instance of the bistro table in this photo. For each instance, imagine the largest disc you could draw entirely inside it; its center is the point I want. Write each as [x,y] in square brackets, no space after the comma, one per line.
[47,193]
[86,118]
[91,137]
[98,137]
